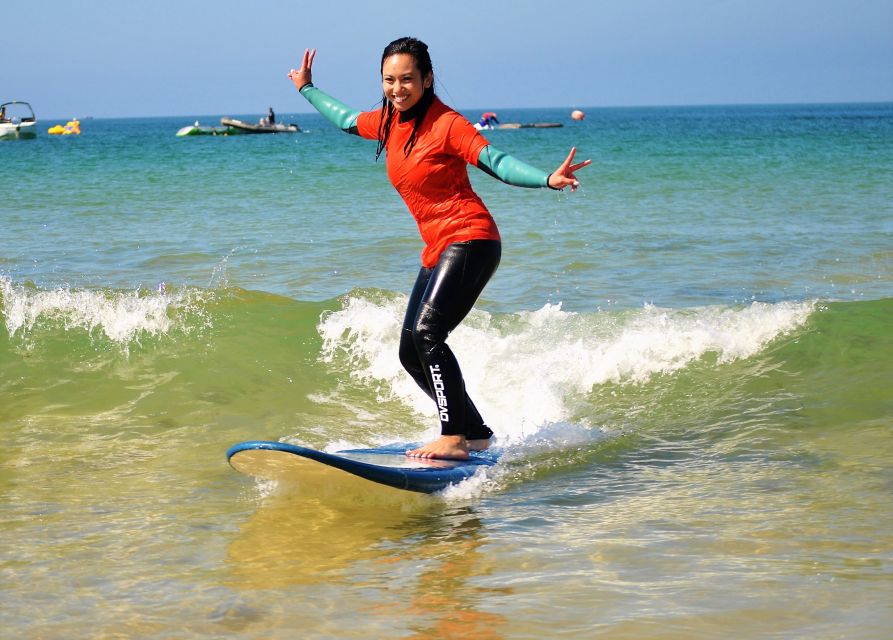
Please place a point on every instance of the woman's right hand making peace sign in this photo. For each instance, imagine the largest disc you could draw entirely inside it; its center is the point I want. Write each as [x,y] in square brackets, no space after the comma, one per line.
[303,76]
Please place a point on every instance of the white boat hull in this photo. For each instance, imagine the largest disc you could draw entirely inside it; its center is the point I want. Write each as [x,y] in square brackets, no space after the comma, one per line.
[18,130]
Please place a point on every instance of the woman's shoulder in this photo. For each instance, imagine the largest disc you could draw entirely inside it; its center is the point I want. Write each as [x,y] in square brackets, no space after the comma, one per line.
[444,116]
[443,110]
[368,122]
[457,134]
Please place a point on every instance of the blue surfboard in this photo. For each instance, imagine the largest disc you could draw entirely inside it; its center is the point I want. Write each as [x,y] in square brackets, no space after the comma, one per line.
[388,466]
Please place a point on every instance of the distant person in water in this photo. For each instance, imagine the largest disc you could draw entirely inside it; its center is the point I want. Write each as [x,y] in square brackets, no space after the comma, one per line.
[427,147]
[488,119]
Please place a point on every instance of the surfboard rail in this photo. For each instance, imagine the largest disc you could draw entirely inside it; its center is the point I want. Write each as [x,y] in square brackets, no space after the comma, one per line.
[386,466]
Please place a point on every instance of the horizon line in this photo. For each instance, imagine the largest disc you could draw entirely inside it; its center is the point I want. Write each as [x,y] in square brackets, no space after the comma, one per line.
[491,108]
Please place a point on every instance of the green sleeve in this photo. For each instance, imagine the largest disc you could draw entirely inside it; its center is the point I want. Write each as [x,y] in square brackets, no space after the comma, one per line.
[510,170]
[335,112]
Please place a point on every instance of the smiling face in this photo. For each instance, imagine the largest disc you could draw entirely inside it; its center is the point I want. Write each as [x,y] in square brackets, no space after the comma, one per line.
[402,81]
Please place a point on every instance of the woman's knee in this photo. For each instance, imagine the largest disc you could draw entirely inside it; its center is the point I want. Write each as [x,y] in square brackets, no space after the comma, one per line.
[409,355]
[429,330]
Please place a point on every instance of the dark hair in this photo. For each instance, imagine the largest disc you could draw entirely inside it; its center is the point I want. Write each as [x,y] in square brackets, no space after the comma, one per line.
[419,52]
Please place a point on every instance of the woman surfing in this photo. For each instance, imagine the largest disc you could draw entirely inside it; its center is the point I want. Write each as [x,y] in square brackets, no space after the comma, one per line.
[427,147]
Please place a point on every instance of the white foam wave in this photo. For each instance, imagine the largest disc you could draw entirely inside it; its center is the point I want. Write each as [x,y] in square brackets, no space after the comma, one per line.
[485,480]
[120,316]
[526,370]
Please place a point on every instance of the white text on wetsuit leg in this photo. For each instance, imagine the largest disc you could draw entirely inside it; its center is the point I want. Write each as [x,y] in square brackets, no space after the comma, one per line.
[437,383]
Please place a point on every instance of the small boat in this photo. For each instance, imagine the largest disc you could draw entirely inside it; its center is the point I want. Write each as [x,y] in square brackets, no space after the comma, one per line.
[17,120]
[247,127]
[199,130]
[531,125]
[518,125]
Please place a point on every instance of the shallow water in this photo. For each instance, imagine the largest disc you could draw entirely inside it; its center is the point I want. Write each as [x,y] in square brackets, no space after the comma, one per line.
[687,363]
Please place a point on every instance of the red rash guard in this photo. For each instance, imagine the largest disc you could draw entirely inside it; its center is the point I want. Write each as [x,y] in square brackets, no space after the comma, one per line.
[433,179]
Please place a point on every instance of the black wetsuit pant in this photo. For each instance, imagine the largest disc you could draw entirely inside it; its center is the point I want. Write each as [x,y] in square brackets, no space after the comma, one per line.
[440,299]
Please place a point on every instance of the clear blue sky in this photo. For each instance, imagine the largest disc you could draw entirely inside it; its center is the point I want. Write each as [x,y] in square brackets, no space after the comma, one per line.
[117,58]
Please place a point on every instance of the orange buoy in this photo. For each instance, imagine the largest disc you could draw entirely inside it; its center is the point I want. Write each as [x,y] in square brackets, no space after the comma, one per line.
[576,114]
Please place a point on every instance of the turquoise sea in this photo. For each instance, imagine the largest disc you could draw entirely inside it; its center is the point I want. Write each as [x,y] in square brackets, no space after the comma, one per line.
[688,363]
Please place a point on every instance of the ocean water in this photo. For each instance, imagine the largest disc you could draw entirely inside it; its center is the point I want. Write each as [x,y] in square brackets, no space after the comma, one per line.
[688,364]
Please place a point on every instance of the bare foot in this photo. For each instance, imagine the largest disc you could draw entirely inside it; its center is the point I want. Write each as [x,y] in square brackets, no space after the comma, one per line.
[478,445]
[450,447]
